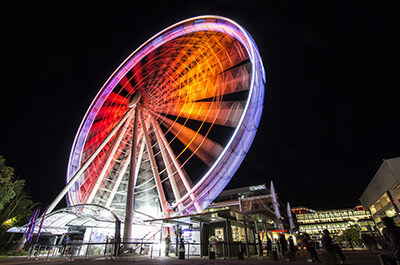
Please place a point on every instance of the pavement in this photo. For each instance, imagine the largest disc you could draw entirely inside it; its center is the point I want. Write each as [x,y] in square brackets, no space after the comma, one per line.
[357,257]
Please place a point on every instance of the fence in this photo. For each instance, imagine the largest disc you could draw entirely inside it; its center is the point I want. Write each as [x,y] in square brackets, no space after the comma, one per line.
[110,250]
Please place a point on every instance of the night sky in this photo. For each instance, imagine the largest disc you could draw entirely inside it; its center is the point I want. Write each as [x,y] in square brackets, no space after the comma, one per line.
[331,111]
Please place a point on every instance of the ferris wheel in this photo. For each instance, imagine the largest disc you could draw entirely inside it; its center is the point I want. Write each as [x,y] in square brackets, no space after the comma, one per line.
[172,124]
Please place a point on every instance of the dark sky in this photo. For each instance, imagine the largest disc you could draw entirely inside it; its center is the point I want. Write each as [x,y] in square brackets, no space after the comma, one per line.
[331,111]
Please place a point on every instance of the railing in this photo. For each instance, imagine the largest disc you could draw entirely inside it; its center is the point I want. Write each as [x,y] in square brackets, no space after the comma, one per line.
[110,250]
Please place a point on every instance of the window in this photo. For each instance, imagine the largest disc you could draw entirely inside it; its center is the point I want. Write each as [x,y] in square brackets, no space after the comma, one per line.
[238,234]
[372,209]
[219,233]
[390,212]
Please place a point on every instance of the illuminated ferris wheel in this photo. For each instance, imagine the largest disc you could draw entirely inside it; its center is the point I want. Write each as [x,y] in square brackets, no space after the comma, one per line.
[170,127]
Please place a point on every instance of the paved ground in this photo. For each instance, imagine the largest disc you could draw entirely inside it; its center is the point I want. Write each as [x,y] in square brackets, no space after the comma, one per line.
[353,258]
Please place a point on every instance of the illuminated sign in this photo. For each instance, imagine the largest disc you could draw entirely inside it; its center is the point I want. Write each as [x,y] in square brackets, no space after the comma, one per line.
[257,187]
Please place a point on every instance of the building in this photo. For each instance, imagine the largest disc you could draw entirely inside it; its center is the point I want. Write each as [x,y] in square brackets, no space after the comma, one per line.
[237,216]
[255,202]
[335,220]
[382,195]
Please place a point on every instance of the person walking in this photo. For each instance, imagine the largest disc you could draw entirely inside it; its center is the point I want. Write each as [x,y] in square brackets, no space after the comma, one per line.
[309,245]
[268,246]
[167,241]
[283,242]
[277,245]
[182,248]
[330,246]
[391,233]
[212,246]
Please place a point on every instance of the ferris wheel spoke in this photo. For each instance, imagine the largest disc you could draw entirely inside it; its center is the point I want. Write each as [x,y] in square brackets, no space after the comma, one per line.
[168,164]
[225,83]
[198,197]
[160,190]
[122,173]
[225,113]
[176,164]
[204,148]
[205,72]
[109,159]
[204,59]
[118,180]
[87,162]
[115,99]
[196,81]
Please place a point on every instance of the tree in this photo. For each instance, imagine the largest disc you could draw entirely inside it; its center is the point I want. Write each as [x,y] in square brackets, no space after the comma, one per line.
[8,188]
[352,233]
[15,205]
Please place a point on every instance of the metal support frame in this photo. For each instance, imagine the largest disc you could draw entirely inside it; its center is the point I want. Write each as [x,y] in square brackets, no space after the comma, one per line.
[118,181]
[247,237]
[131,184]
[85,165]
[122,173]
[177,166]
[110,157]
[167,164]
[228,237]
[156,175]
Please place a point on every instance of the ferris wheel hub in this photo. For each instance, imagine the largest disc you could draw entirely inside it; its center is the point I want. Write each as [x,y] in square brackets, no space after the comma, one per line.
[135,100]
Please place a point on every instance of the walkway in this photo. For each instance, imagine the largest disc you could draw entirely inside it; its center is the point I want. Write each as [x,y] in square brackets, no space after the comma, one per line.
[353,258]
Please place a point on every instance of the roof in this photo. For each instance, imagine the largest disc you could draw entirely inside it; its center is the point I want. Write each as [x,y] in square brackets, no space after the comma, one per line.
[83,215]
[387,177]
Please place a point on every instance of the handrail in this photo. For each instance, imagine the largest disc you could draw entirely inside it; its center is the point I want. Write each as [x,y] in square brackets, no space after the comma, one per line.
[73,250]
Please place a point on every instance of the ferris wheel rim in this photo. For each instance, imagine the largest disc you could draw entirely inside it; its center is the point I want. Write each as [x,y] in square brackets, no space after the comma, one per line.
[252,52]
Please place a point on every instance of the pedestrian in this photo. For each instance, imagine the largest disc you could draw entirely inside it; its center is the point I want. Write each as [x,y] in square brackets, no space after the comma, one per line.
[182,248]
[330,246]
[212,243]
[167,241]
[259,242]
[309,245]
[283,243]
[391,233]
[292,247]
[268,246]
[277,245]
[65,244]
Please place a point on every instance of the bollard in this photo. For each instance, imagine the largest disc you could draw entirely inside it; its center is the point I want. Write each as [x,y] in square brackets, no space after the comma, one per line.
[54,250]
[30,253]
[240,251]
[37,253]
[105,249]
[72,254]
[87,251]
[48,253]
[182,252]
[112,251]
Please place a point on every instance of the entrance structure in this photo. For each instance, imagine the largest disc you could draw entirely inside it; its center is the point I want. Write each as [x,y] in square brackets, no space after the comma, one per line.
[170,127]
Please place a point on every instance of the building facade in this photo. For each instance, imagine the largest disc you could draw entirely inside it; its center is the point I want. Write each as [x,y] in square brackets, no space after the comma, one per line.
[382,195]
[336,221]
[242,216]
